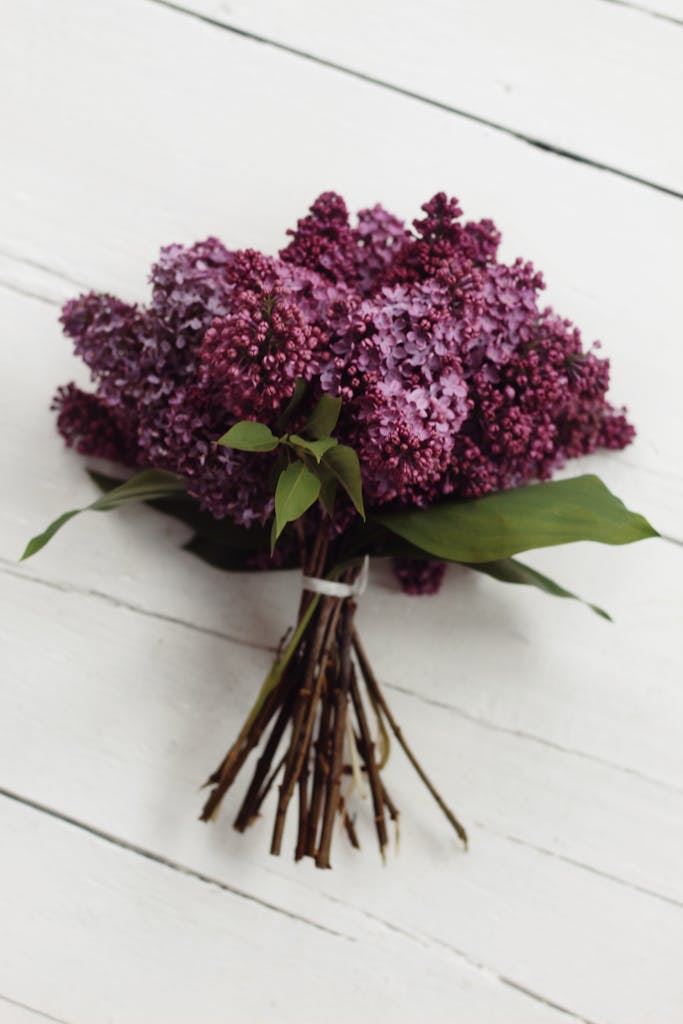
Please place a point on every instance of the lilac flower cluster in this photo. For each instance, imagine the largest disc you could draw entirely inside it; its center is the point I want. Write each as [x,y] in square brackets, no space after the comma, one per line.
[454,380]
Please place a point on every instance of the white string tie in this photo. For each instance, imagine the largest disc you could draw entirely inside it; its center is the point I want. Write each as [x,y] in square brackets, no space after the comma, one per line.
[332,588]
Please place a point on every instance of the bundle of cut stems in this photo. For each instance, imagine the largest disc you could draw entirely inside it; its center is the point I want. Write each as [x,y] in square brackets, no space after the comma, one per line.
[319,690]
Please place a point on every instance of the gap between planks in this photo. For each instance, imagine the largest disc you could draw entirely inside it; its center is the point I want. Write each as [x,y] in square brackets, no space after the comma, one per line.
[167,862]
[651,12]
[31,1011]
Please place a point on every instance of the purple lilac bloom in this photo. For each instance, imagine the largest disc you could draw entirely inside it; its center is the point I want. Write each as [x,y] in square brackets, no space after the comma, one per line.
[423,576]
[455,380]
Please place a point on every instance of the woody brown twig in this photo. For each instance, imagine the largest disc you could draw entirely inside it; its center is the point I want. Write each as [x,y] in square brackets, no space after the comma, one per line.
[367,750]
[302,723]
[373,686]
[253,799]
[340,708]
[323,755]
[251,732]
[317,691]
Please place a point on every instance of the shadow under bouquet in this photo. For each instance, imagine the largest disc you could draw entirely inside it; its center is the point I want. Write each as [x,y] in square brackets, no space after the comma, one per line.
[373,391]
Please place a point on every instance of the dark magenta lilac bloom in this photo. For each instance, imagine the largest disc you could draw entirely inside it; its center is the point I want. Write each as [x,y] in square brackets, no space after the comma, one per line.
[455,380]
[423,576]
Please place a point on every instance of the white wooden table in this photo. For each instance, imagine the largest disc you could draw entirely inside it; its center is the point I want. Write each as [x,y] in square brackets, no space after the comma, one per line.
[127,666]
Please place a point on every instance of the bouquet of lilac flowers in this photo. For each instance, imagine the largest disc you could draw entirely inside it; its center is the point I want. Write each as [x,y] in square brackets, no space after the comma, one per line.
[374,391]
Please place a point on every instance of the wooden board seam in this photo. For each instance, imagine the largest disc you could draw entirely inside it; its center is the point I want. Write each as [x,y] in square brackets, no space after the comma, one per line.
[31,1009]
[647,11]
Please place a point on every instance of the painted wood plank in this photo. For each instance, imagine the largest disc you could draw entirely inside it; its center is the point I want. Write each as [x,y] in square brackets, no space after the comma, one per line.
[593,79]
[139,723]
[555,671]
[101,934]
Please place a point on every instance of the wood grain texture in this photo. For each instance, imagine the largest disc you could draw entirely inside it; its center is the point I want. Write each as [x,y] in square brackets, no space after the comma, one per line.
[592,79]
[128,664]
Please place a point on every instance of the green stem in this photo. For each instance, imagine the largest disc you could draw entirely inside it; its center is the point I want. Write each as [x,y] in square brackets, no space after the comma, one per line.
[281,663]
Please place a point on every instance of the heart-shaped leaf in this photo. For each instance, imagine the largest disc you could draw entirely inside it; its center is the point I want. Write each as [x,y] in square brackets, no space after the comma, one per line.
[343,463]
[249,436]
[297,489]
[316,448]
[324,417]
[502,524]
[149,485]
[328,493]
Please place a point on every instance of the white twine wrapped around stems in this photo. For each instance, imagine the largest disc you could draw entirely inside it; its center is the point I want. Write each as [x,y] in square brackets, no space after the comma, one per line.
[332,588]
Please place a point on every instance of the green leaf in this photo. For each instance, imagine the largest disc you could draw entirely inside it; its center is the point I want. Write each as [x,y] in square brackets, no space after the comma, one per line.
[103,481]
[316,448]
[508,570]
[297,489]
[280,664]
[248,436]
[293,404]
[328,493]
[501,524]
[343,463]
[280,462]
[220,556]
[324,417]
[146,486]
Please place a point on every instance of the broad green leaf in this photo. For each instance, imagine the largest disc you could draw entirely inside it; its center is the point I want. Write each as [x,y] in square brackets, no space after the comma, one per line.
[149,485]
[328,493]
[324,417]
[293,404]
[508,570]
[343,463]
[316,448]
[248,436]
[297,489]
[279,463]
[502,524]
